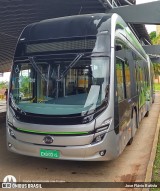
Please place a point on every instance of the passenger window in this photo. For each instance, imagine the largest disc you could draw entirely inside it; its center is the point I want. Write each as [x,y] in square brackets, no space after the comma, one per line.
[127,80]
[141,76]
[120,79]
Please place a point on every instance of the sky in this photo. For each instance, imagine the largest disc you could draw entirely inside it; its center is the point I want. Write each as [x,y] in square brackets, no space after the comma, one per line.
[5,77]
[149,28]
[144,1]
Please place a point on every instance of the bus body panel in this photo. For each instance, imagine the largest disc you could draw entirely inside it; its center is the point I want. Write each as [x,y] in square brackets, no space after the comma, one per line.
[85,152]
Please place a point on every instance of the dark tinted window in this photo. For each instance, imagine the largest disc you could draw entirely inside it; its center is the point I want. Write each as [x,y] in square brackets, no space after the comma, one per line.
[120,79]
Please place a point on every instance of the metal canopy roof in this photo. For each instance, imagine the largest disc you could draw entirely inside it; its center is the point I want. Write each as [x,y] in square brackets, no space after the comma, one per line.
[16,14]
[133,14]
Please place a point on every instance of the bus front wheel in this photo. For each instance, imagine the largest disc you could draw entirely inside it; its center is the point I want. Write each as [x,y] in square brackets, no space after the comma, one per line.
[147,114]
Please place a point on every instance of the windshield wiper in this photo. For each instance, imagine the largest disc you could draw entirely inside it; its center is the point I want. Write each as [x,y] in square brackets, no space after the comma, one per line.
[88,109]
[32,61]
[77,58]
[88,106]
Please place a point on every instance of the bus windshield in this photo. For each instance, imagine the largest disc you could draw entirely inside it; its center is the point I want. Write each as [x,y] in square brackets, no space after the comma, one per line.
[60,86]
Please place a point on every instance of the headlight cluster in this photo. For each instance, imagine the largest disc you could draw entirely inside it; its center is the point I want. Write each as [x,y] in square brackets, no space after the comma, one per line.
[101,131]
[104,126]
[11,133]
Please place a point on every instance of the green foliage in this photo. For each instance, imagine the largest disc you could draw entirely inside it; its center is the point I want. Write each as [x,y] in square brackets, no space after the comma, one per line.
[156,167]
[24,85]
[152,35]
[3,85]
[157,87]
[156,67]
[154,38]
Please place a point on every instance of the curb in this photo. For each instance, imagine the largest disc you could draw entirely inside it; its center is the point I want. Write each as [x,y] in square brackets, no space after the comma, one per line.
[149,170]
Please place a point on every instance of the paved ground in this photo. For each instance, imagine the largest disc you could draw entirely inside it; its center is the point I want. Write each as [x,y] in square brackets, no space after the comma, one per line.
[129,167]
[2,111]
[2,104]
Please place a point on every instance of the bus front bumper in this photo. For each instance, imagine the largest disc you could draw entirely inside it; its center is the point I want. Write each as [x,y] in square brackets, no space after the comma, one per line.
[90,152]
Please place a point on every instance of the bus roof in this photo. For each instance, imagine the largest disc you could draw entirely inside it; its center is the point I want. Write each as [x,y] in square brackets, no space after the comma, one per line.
[65,27]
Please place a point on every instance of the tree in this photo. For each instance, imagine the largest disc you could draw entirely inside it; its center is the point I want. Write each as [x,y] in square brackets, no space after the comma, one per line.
[154,38]
[155,41]
[3,85]
[156,67]
[152,35]
[24,85]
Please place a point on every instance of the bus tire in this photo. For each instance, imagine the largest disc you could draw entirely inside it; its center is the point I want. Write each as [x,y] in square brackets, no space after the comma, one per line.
[147,114]
[130,141]
[134,125]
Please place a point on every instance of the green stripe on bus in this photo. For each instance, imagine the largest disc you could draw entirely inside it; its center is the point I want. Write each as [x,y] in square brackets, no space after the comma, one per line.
[56,133]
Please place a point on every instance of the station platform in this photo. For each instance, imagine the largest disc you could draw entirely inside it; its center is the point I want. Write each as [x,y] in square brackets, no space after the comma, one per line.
[2,111]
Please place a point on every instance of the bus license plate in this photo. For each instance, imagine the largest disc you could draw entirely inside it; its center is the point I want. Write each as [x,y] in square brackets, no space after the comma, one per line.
[49,153]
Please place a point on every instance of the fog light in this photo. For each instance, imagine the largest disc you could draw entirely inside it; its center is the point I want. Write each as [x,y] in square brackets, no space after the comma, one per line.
[9,145]
[12,133]
[102,153]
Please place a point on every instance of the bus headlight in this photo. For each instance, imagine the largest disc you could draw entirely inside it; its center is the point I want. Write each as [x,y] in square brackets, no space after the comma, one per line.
[98,138]
[12,133]
[104,126]
[100,135]
[87,119]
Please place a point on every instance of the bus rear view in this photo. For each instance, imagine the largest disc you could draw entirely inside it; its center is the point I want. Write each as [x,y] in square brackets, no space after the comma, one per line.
[62,98]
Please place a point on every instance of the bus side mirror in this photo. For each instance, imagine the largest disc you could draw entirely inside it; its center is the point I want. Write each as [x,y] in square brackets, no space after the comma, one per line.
[118,47]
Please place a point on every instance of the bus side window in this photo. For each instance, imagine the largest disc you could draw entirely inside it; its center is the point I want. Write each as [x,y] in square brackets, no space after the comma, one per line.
[127,80]
[120,79]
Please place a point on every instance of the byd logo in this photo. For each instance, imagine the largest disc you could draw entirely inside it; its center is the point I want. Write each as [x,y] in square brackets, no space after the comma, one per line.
[48,139]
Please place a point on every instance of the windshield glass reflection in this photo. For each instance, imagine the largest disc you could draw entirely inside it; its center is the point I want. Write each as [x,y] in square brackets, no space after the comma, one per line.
[60,86]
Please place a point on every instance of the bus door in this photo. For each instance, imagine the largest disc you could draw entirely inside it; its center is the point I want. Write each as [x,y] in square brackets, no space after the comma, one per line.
[140,89]
[124,101]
